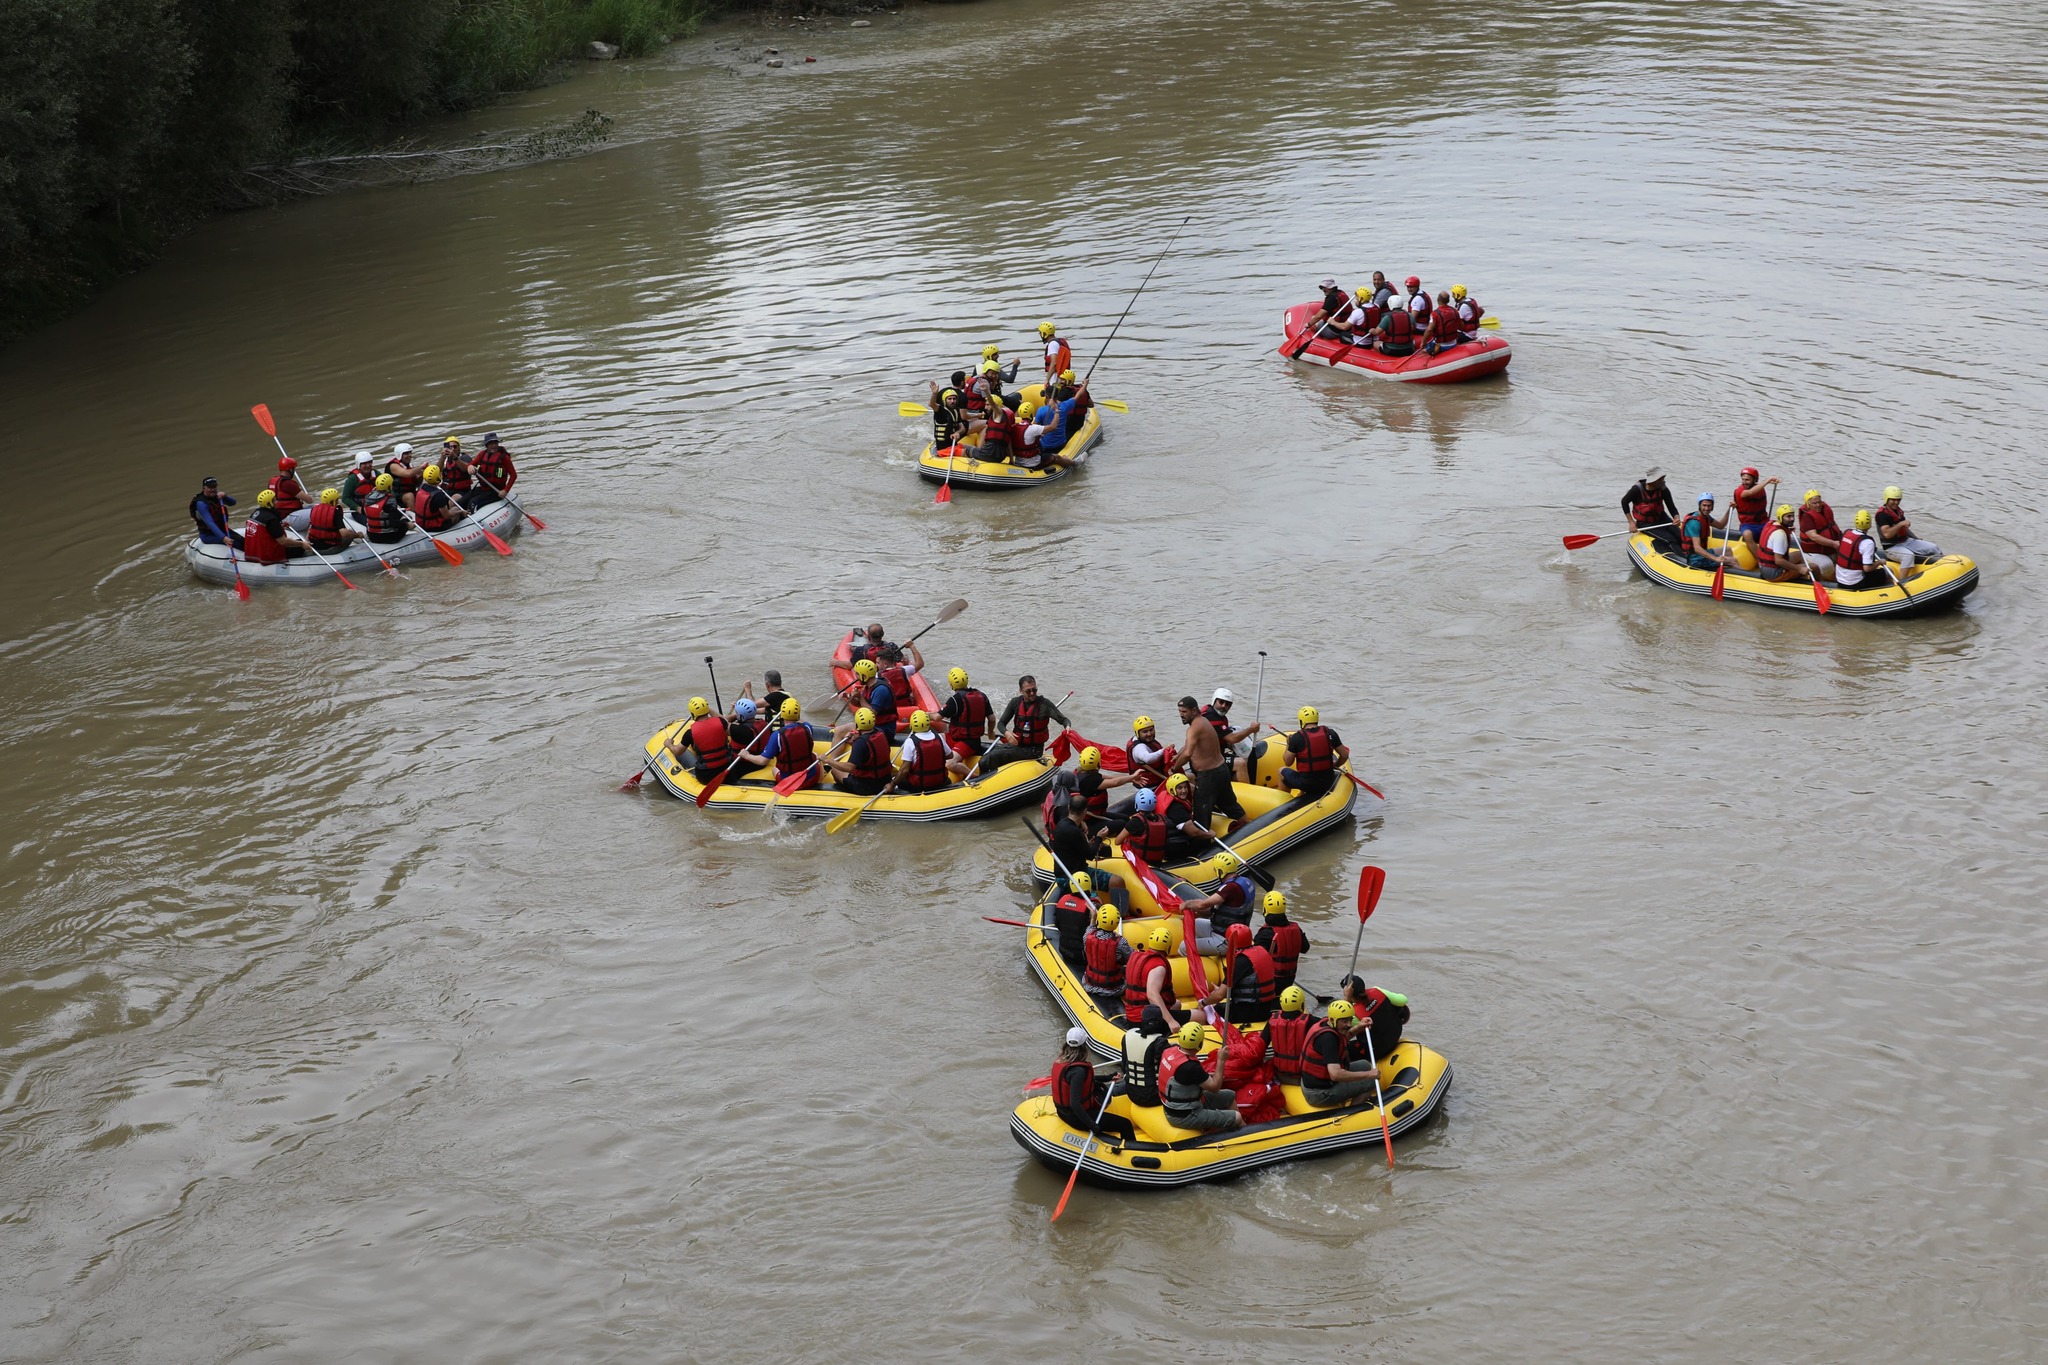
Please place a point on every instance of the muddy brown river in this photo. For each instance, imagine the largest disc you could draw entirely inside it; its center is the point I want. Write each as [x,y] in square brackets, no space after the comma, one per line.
[347,1011]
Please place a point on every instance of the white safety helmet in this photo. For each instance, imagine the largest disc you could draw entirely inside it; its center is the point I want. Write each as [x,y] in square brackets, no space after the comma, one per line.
[401,449]
[1223,694]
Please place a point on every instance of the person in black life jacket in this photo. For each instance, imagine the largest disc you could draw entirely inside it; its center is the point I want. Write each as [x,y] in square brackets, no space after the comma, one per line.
[1072,914]
[1202,753]
[1326,1078]
[1252,991]
[969,715]
[265,537]
[1072,842]
[383,518]
[1077,1088]
[1381,1013]
[1232,900]
[1217,713]
[705,737]
[1023,724]
[1316,755]
[431,506]
[494,471]
[950,421]
[1104,954]
[877,698]
[1287,1034]
[790,746]
[1148,979]
[1651,509]
[326,531]
[1144,1043]
[1395,333]
[743,725]
[866,769]
[1283,938]
[1193,1098]
[209,509]
[925,764]
[359,483]
[1695,535]
[772,699]
[1336,303]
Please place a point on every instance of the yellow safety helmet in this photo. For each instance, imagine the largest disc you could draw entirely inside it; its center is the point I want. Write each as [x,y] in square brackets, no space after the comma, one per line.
[1066,376]
[266,499]
[956,678]
[1161,939]
[1107,919]
[1081,884]
[1227,862]
[1458,291]
[864,669]
[1862,519]
[1046,329]
[1341,1009]
[452,441]
[1190,1036]
[1141,725]
[1784,510]
[991,352]
[1091,760]
[948,395]
[1293,1000]
[1893,493]
[920,721]
[432,473]
[1275,903]
[1308,715]
[990,367]
[330,495]
[792,709]
[385,483]
[1812,495]
[1177,784]
[699,708]
[863,720]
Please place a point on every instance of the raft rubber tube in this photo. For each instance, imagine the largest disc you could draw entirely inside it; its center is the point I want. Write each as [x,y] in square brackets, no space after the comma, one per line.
[211,562]
[1063,981]
[1485,355]
[1935,586]
[1278,821]
[754,789]
[921,694]
[969,472]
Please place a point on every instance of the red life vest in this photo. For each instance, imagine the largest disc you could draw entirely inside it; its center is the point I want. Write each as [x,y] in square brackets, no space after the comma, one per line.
[431,509]
[1850,553]
[1254,988]
[1446,320]
[1887,518]
[1143,777]
[1000,438]
[1150,843]
[381,516]
[1335,303]
[291,494]
[1469,313]
[1764,557]
[795,750]
[1314,1070]
[971,717]
[259,545]
[1100,948]
[455,476]
[1751,504]
[876,767]
[1075,1092]
[494,467]
[1648,509]
[1400,327]
[1285,946]
[1317,754]
[899,681]
[927,770]
[713,745]
[359,484]
[1174,813]
[1060,359]
[1135,971]
[1817,523]
[403,477]
[1031,722]
[1287,1035]
[323,527]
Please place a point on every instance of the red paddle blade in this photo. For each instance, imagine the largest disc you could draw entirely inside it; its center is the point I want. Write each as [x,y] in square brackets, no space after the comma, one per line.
[945,493]
[1578,542]
[344,580]
[630,783]
[1367,785]
[535,521]
[497,544]
[448,552]
[709,787]
[241,590]
[261,412]
[1065,1194]
[793,782]
[1821,599]
[1371,881]
[1720,580]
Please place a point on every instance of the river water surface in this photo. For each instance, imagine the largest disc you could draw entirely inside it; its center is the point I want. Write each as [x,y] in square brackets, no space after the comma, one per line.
[348,1011]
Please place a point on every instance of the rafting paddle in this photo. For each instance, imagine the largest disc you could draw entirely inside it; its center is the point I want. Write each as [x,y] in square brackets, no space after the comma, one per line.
[946,613]
[945,493]
[505,495]
[448,552]
[1363,783]
[909,409]
[241,588]
[1582,541]
[1378,1098]
[786,786]
[848,816]
[1086,1148]
[1371,881]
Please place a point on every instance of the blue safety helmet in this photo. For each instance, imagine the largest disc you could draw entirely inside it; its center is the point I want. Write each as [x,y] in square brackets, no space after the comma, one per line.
[744,708]
[1147,801]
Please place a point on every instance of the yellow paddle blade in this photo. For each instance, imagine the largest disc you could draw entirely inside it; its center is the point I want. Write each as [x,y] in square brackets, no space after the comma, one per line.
[844,818]
[1489,321]
[912,410]
[1113,404]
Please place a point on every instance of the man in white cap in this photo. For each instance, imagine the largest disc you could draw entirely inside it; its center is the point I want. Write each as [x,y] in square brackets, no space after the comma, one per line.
[360,482]
[401,468]
[1077,1092]
[1336,304]
[1650,508]
[1217,713]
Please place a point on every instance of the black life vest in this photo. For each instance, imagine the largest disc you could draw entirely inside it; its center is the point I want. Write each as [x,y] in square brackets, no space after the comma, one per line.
[1251,982]
[869,757]
[1236,905]
[1140,1074]
[1101,950]
[1317,754]
[1287,1035]
[1285,942]
[1220,723]
[323,527]
[1149,842]
[1135,971]
[1315,1070]
[794,752]
[383,517]
[927,770]
[970,716]
[1075,1093]
[211,514]
[1071,917]
[712,743]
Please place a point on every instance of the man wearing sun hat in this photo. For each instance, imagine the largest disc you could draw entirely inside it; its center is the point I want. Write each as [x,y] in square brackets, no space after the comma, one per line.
[1650,508]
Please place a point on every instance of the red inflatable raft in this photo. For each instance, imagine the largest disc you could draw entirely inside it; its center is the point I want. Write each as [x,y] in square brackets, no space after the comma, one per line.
[921,695]
[1467,360]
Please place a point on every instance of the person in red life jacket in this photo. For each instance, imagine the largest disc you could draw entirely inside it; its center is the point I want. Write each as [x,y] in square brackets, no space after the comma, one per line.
[969,715]
[1203,755]
[895,669]
[1750,507]
[1651,509]
[1150,760]
[1145,834]
[926,764]
[431,506]
[1326,322]
[1287,1034]
[359,483]
[1779,558]
[1217,713]
[457,474]
[1327,1079]
[1058,354]
[703,744]
[868,691]
[1417,304]
[1002,436]
[1696,536]
[868,643]
[1077,1091]
[790,746]
[1281,937]
[209,509]
[1072,914]
[1382,1014]
[1183,1045]
[495,473]
[383,518]
[1104,954]
[1186,837]
[265,537]
[1248,1073]
[291,494]
[1251,993]
[1023,725]
[326,531]
[742,724]
[1192,1097]
[1895,534]
[1140,1052]
[1818,533]
[1148,979]
[1857,563]
[1441,331]
[400,467]
[1469,312]
[866,769]
[1316,754]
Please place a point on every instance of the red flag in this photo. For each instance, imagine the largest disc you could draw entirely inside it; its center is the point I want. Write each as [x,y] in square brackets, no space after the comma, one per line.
[1114,760]
[1062,747]
[1171,904]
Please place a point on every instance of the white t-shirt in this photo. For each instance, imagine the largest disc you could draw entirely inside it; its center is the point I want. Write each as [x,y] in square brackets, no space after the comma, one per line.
[910,745]
[1866,551]
[1052,349]
[1418,306]
[1468,313]
[1779,542]
[1355,319]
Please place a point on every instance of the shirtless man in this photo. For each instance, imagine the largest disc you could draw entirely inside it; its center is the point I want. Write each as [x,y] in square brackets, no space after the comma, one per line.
[1202,754]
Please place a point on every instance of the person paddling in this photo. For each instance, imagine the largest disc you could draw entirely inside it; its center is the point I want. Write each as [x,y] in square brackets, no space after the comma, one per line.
[1696,534]
[494,471]
[1750,506]
[209,509]
[1818,533]
[1328,319]
[265,537]
[1651,509]
[1779,558]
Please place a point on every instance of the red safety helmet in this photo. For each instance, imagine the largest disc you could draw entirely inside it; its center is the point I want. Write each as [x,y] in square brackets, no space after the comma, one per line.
[1750,470]
[286,464]
[1239,937]
[1412,281]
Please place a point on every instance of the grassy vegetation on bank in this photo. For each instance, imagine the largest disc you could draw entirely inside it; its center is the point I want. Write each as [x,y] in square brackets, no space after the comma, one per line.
[121,121]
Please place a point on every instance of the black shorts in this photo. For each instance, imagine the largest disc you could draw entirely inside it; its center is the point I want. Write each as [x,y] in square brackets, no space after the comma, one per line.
[1214,792]
[860,786]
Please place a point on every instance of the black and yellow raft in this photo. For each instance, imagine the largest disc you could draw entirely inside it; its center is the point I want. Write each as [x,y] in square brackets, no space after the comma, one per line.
[1063,981]
[1012,784]
[1277,820]
[970,472]
[1934,586]
[1139,1148]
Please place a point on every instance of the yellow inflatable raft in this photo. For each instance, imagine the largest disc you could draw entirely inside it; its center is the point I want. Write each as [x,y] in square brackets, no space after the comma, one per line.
[1012,784]
[1277,821]
[1934,586]
[1106,1030]
[1137,1147]
[969,472]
